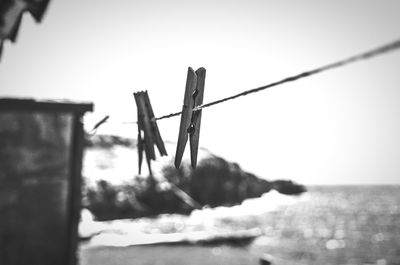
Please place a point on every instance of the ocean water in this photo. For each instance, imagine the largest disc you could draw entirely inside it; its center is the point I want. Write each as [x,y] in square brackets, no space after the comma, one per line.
[338,225]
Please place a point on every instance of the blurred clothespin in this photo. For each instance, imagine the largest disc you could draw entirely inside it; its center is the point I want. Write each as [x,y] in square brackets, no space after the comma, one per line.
[191,119]
[37,8]
[98,124]
[11,13]
[151,135]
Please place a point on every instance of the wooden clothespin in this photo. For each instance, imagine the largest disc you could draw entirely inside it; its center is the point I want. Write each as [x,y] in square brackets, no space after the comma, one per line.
[151,135]
[190,119]
[98,124]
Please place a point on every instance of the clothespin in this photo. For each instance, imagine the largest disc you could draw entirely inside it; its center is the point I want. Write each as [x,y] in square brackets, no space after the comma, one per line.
[191,119]
[37,8]
[151,134]
[98,124]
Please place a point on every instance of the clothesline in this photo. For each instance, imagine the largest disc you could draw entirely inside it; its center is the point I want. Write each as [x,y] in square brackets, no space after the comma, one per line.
[386,48]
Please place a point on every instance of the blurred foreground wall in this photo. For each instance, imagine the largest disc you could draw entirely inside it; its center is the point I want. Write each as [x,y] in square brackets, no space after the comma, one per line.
[40,178]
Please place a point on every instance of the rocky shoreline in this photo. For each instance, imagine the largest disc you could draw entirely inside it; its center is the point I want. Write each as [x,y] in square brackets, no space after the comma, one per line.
[215,182]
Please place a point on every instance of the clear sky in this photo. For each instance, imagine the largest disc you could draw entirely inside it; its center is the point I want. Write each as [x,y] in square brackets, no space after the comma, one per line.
[339,127]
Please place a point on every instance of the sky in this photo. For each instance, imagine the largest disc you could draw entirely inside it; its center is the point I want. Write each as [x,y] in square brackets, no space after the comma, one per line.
[338,127]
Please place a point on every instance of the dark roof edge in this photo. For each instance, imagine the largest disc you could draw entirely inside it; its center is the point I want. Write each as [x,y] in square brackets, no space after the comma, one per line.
[47,105]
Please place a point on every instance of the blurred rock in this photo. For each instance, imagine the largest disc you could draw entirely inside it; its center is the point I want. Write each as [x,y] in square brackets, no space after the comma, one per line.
[113,190]
[288,187]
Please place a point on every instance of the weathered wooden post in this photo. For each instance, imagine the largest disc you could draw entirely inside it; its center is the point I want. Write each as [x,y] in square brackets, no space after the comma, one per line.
[41,146]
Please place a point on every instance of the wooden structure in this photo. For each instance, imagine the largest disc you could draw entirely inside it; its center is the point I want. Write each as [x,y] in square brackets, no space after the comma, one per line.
[41,147]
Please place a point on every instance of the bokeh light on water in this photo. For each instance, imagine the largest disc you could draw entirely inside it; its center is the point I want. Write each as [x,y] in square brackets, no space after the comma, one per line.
[337,225]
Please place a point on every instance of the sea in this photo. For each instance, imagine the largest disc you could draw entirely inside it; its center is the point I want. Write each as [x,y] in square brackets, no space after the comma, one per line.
[327,225]
[338,225]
